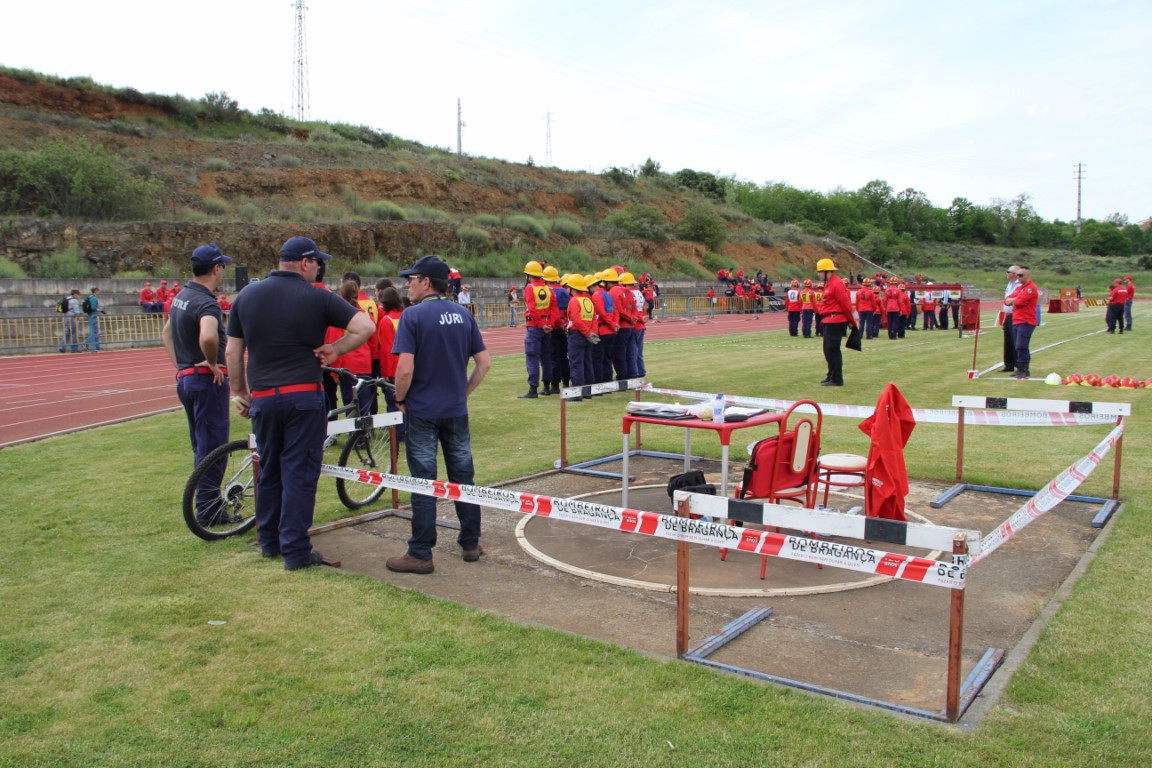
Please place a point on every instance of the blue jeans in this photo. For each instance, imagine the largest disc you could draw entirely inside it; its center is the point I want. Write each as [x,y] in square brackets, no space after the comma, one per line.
[1022,334]
[538,355]
[71,337]
[289,433]
[453,436]
[206,407]
[93,341]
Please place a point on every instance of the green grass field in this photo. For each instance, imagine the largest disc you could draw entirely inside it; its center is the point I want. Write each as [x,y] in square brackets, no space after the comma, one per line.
[108,656]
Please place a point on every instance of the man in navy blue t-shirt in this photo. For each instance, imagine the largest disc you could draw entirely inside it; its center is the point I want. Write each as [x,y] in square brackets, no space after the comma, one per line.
[281,321]
[435,340]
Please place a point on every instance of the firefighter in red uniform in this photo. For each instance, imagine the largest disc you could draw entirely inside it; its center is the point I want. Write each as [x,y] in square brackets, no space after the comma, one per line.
[625,347]
[836,310]
[792,306]
[893,309]
[1117,300]
[640,301]
[817,297]
[866,306]
[905,308]
[608,323]
[877,308]
[147,297]
[928,310]
[808,308]
[560,375]
[581,325]
[539,317]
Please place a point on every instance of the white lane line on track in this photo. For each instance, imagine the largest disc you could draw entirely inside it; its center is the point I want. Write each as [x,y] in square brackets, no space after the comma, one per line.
[73,414]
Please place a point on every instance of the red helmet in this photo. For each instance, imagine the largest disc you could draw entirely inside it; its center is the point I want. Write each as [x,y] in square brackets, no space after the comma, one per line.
[795,283]
[807,283]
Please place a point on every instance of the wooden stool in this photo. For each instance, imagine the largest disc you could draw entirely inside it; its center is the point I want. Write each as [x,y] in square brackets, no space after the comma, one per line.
[840,470]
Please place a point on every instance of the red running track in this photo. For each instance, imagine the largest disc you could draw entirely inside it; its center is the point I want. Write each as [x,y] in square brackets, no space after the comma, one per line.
[45,395]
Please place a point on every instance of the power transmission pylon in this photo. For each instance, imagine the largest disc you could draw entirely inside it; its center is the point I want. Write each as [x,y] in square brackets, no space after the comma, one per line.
[1079,182]
[459,128]
[548,139]
[300,67]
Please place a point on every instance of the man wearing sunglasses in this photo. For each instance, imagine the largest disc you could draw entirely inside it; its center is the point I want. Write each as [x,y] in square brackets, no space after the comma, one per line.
[1009,339]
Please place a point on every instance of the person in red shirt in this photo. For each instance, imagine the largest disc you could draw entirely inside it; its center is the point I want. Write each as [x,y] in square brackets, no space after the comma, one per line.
[1117,300]
[893,307]
[147,297]
[625,305]
[225,305]
[1128,304]
[928,310]
[817,297]
[641,298]
[609,323]
[359,360]
[807,308]
[540,317]
[582,322]
[793,305]
[866,306]
[711,301]
[162,292]
[391,305]
[905,308]
[835,310]
[1024,320]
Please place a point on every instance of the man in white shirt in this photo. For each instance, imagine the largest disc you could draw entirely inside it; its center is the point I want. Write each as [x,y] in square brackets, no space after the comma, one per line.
[1009,340]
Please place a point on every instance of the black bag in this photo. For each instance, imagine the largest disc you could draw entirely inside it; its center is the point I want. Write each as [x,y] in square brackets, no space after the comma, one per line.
[62,305]
[854,339]
[692,482]
[86,305]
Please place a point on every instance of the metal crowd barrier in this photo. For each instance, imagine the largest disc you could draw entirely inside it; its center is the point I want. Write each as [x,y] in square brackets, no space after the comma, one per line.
[42,333]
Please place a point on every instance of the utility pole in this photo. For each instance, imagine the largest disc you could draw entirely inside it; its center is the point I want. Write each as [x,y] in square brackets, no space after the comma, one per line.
[459,128]
[300,67]
[548,139]
[1079,183]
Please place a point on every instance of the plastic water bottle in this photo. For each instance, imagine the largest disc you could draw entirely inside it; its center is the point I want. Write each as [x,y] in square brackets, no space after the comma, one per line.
[718,408]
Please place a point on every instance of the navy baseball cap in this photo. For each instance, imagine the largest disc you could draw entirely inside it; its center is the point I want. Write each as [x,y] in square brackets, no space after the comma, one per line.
[297,248]
[208,255]
[428,266]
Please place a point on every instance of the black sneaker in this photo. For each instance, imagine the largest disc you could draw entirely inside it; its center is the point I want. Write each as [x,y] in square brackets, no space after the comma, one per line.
[314,558]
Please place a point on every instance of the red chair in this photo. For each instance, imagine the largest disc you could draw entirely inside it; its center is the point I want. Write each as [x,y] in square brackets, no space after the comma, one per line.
[784,466]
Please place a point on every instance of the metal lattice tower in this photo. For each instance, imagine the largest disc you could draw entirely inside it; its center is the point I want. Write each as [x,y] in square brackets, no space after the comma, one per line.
[300,67]
[548,139]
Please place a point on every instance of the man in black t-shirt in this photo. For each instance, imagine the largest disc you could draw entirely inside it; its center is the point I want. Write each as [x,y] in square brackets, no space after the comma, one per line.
[194,339]
[281,321]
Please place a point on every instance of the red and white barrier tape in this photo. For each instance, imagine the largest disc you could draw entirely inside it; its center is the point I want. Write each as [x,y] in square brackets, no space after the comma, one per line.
[951,575]
[921,415]
[1055,492]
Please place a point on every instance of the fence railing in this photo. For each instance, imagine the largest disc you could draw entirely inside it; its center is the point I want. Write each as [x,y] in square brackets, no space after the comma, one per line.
[27,334]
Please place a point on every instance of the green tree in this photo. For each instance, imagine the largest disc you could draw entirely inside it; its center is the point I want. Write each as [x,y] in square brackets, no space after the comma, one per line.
[1102,239]
[703,182]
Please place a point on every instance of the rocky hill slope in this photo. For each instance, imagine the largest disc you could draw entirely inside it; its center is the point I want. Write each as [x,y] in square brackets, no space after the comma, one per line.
[249,184]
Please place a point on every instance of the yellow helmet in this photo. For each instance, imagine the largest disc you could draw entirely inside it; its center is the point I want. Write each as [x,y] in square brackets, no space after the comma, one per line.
[627,279]
[825,265]
[551,274]
[608,276]
[591,280]
[564,278]
[576,282]
[534,269]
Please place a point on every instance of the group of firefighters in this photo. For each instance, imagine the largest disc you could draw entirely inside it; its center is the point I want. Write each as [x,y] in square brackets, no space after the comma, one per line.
[878,298]
[581,329]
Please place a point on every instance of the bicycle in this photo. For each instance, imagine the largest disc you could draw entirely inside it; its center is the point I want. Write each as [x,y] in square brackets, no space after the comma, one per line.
[227,500]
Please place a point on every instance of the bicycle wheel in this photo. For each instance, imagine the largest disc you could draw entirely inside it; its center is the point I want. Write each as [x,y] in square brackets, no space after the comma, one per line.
[370,450]
[220,497]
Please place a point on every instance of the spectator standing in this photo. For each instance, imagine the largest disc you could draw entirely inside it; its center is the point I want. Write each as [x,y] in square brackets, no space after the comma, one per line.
[280,322]
[435,340]
[92,308]
[1024,320]
[836,310]
[71,336]
[1131,288]
[1009,337]
[513,293]
[465,295]
[193,337]
[1117,299]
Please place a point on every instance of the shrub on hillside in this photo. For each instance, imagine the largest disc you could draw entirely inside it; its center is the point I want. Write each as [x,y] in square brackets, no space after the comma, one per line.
[248,212]
[74,179]
[639,220]
[701,225]
[386,210]
[527,225]
[10,270]
[289,161]
[714,262]
[487,220]
[216,164]
[426,213]
[688,268]
[64,265]
[214,206]
[473,239]
[567,228]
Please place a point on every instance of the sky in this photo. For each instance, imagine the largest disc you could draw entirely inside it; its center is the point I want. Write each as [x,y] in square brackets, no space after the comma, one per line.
[985,100]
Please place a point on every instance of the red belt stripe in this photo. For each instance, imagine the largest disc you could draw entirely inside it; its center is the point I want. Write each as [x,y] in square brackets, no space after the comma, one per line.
[194,369]
[287,390]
